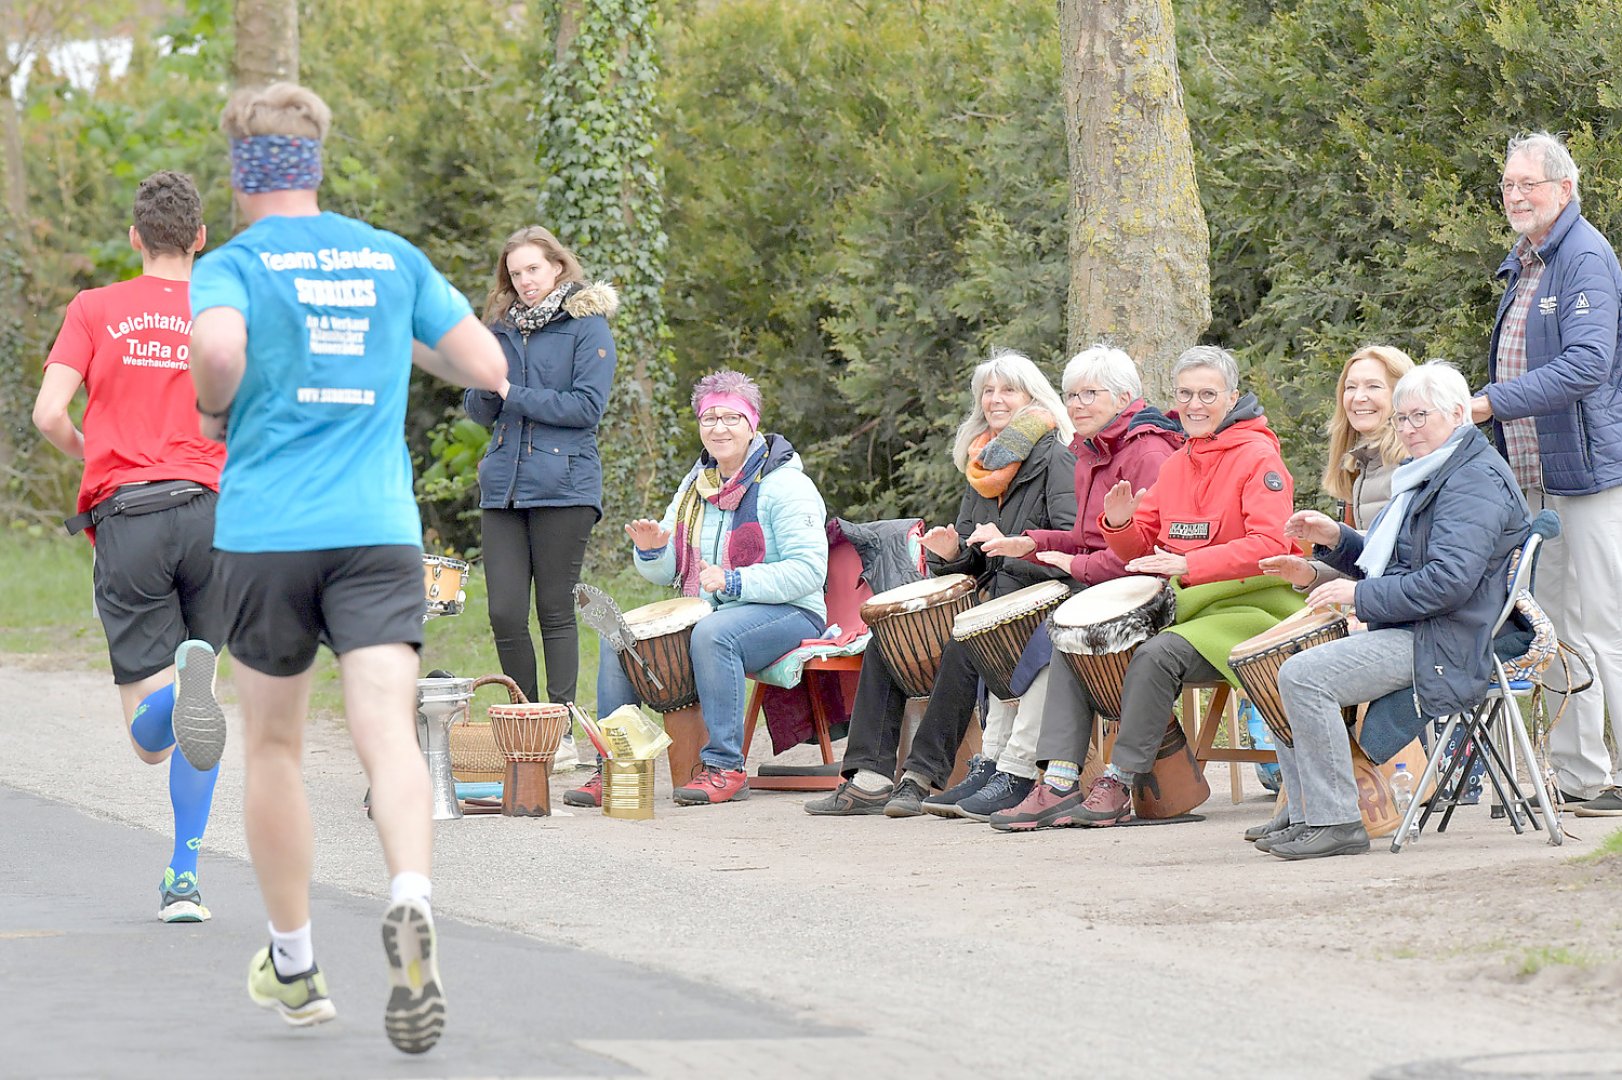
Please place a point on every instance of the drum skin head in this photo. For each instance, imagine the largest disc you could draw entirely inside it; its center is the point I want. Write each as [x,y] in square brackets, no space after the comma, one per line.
[1297,625]
[916,595]
[1009,606]
[1113,615]
[666,616]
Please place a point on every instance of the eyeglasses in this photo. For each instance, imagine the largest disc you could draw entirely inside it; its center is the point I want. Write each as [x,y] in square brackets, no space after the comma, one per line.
[1206,396]
[1081,397]
[730,420]
[1415,420]
[1509,187]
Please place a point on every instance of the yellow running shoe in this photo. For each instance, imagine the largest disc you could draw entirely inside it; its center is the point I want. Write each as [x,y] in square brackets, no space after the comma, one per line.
[301,1000]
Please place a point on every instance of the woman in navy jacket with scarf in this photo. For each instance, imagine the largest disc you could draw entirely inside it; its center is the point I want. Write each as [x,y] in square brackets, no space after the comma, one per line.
[541,482]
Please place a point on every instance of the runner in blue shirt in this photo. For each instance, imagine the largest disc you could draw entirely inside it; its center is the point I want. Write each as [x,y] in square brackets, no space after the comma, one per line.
[305,328]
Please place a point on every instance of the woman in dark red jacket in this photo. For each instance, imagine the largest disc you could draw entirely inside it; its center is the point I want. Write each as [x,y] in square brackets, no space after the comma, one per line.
[1118,438]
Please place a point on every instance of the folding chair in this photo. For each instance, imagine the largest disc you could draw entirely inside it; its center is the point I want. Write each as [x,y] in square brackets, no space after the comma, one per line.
[1494,730]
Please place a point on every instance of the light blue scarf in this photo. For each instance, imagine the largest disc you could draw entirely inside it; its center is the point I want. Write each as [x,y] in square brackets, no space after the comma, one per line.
[1381,540]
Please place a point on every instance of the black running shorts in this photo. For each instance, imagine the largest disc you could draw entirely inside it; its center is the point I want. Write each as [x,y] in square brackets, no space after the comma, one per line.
[155,586]
[282,604]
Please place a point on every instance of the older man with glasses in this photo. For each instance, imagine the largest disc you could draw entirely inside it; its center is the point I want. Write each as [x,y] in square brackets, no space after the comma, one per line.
[1555,399]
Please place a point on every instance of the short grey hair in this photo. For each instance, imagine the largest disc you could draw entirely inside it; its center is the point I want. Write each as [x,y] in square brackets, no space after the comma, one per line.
[1438,384]
[727,381]
[1109,367]
[1209,356]
[1546,147]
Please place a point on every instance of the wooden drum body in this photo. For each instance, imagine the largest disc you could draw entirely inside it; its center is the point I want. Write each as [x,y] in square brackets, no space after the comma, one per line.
[1257,661]
[911,624]
[997,631]
[528,735]
[664,632]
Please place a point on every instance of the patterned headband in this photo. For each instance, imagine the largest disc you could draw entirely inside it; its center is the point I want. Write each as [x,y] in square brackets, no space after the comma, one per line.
[261,163]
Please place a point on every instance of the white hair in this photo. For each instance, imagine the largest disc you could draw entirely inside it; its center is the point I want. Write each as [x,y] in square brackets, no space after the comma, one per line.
[1218,359]
[1109,367]
[1547,148]
[1015,370]
[1437,384]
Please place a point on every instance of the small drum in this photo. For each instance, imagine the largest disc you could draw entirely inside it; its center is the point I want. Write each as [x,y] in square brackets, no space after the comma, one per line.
[1098,630]
[997,631]
[528,734]
[663,633]
[442,580]
[911,624]
[1256,661]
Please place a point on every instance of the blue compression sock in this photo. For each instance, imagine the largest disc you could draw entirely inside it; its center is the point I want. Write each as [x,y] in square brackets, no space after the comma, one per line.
[191,793]
[153,727]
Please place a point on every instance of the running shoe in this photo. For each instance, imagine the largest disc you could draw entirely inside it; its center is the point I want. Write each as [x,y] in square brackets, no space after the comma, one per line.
[301,1000]
[199,720]
[182,902]
[415,1015]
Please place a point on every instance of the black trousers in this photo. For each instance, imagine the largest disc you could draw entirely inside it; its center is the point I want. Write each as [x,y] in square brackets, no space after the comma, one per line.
[543,546]
[876,718]
[1154,678]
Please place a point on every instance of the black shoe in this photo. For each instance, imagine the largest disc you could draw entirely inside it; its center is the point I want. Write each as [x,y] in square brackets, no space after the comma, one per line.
[907,800]
[1279,836]
[1001,792]
[848,800]
[1320,841]
[1607,803]
[945,804]
[1277,823]
[835,733]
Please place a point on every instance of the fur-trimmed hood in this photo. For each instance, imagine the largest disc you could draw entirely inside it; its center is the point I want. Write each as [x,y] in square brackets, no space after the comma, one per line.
[598,298]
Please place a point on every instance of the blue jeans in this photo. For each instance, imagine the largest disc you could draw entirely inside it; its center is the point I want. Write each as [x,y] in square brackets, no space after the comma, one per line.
[732,641]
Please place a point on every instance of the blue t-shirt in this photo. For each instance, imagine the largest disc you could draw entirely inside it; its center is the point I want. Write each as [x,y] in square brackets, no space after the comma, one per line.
[315,451]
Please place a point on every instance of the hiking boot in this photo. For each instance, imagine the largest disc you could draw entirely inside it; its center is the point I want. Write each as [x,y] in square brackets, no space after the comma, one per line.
[945,804]
[1320,841]
[1277,823]
[906,799]
[848,800]
[1043,808]
[1281,836]
[713,784]
[1002,792]
[199,721]
[1607,803]
[414,1017]
[1108,803]
[181,901]
[588,794]
[301,1000]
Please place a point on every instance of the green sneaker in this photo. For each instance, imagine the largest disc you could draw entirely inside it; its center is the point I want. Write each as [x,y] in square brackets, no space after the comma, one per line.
[198,719]
[182,902]
[415,1015]
[301,1000]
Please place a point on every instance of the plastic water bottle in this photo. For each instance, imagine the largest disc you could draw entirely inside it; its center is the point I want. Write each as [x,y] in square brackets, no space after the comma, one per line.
[1402,793]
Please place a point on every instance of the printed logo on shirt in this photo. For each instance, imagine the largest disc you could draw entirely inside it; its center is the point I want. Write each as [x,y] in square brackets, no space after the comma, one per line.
[1581,306]
[1547,305]
[1188,530]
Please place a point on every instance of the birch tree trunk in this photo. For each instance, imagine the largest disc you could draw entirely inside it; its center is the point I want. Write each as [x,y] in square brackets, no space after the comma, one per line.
[1139,251]
[267,42]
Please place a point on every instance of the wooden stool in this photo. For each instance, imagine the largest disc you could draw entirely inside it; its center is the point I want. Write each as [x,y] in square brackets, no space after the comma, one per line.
[1202,729]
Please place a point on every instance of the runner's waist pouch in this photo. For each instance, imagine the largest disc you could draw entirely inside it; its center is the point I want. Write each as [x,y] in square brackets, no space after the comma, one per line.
[136,499]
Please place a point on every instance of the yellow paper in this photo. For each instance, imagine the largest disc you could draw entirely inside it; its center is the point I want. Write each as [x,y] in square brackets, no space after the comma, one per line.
[630,736]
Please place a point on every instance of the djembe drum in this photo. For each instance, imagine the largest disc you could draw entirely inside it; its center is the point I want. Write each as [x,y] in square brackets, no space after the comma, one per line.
[911,624]
[660,668]
[1097,632]
[440,701]
[997,631]
[528,733]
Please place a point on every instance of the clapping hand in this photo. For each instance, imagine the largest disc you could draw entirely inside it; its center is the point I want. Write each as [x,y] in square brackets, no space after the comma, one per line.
[646,534]
[1120,503]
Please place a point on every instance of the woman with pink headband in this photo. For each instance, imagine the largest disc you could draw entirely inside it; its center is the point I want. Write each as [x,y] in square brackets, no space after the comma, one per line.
[746,531]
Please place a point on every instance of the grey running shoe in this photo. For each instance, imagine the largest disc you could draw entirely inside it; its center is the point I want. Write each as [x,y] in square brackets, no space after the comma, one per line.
[1319,841]
[1002,792]
[848,800]
[199,721]
[1280,836]
[1607,803]
[415,1015]
[1277,823]
[907,800]
[945,804]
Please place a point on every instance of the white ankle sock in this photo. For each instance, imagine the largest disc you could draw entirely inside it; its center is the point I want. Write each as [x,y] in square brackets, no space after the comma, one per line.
[871,782]
[410,885]
[918,778]
[291,953]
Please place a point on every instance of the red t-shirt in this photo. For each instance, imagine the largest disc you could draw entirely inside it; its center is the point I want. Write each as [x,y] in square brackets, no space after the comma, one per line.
[130,343]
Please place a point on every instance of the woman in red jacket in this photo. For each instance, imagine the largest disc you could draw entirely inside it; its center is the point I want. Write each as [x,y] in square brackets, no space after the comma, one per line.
[1217,509]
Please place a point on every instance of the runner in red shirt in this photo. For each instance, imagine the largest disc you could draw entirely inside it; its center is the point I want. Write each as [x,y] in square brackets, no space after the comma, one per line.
[147,501]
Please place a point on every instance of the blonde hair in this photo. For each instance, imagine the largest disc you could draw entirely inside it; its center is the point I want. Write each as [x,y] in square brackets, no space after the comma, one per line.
[1339,474]
[282,108]
[1015,370]
[502,294]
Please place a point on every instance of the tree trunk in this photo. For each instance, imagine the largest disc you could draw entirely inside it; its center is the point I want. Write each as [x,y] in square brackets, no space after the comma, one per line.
[267,42]
[1140,273]
[16,178]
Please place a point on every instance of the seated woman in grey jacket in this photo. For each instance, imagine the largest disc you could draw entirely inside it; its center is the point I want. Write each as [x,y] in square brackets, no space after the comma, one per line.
[1429,580]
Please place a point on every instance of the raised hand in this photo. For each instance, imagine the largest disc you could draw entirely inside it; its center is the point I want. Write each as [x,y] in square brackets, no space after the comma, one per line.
[943,541]
[1120,503]
[984,532]
[646,534]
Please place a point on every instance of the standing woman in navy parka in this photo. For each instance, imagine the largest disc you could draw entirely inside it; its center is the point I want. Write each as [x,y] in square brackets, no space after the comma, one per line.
[541,482]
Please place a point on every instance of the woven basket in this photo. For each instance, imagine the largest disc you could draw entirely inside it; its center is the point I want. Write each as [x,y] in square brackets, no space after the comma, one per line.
[474,754]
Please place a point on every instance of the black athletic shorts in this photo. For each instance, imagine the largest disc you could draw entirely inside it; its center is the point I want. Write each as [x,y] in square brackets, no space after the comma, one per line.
[155,586]
[281,605]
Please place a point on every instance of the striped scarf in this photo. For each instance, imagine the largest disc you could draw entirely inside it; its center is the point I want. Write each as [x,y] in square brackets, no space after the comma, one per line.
[994,461]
